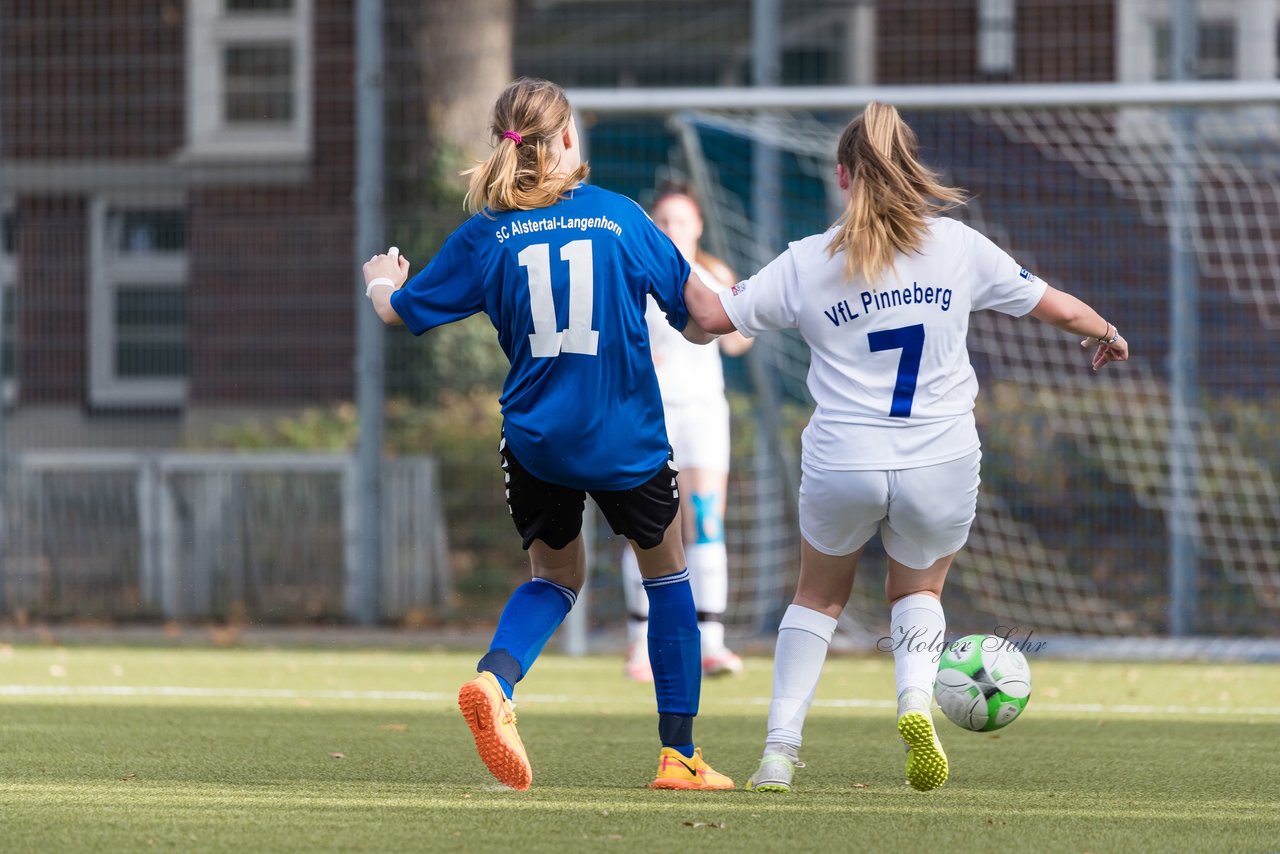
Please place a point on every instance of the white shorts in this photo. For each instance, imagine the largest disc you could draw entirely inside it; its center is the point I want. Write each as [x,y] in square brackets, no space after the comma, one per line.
[922,513]
[699,433]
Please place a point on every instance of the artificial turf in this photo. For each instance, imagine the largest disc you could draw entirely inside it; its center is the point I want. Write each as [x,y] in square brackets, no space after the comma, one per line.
[305,750]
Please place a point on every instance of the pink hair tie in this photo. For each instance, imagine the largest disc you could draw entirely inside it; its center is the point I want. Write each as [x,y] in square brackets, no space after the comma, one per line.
[513,136]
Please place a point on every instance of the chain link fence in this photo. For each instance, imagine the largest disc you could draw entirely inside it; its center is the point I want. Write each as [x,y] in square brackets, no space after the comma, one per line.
[179,205]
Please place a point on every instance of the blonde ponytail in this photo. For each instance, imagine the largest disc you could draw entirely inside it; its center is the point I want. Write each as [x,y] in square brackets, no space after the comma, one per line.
[527,117]
[891,193]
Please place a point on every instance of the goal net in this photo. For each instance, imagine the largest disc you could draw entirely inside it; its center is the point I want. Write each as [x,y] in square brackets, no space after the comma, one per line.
[1080,471]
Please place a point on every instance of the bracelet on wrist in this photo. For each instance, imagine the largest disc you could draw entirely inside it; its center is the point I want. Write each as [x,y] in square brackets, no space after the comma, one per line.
[1114,333]
[381,281]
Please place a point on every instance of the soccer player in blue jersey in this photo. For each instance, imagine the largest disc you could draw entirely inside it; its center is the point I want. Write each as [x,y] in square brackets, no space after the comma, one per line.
[564,271]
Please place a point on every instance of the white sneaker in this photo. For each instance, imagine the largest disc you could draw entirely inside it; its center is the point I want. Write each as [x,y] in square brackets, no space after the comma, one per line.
[637,666]
[721,662]
[774,774]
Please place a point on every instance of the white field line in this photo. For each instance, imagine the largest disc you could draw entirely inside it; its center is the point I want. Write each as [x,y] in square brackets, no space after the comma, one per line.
[562,699]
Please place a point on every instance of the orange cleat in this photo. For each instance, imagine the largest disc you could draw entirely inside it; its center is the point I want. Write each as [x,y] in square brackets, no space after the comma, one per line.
[676,771]
[493,723]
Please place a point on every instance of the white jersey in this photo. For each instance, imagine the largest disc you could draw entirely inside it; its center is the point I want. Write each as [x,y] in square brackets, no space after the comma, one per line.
[890,370]
[687,373]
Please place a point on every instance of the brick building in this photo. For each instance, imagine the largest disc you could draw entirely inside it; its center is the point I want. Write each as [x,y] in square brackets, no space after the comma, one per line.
[177,182]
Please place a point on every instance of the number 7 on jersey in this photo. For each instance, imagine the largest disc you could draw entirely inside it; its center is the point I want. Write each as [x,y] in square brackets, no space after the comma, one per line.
[546,340]
[910,340]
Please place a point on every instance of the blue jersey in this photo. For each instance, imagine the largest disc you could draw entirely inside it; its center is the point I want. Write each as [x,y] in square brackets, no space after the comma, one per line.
[566,288]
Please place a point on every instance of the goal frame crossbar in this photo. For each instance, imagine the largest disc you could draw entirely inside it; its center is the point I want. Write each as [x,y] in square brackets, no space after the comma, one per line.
[949,97]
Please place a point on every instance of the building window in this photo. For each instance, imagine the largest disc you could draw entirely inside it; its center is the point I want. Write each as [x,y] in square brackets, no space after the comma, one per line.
[249,78]
[1237,40]
[8,303]
[996,33]
[138,347]
[1215,48]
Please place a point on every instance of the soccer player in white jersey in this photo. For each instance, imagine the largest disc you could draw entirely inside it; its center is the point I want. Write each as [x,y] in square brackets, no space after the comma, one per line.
[883,300]
[691,378]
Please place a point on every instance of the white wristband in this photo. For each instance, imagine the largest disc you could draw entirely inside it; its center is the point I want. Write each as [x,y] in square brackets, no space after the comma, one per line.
[379,282]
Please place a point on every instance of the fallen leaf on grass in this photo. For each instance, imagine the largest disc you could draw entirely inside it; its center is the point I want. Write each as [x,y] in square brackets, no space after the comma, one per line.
[613,836]
[718,825]
[129,776]
[338,755]
[862,785]
[604,812]
[396,727]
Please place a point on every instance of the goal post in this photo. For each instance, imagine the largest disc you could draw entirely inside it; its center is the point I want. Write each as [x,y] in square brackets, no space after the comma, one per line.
[1089,185]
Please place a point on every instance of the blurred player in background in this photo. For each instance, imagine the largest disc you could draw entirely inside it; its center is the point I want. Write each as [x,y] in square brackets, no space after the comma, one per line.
[883,300]
[692,381]
[564,270]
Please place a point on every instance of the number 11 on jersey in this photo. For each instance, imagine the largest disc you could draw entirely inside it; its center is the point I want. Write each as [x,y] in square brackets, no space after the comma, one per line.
[546,339]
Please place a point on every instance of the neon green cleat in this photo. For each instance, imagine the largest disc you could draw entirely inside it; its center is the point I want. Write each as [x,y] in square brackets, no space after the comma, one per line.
[774,774]
[926,763]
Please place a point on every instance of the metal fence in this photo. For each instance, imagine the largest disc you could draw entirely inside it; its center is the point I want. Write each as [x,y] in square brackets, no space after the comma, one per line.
[186,187]
[261,538]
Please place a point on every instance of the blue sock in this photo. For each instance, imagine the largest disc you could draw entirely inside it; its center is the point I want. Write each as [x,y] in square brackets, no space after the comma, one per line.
[532,615]
[675,653]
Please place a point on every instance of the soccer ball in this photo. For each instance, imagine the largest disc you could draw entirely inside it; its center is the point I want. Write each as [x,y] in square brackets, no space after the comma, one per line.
[983,683]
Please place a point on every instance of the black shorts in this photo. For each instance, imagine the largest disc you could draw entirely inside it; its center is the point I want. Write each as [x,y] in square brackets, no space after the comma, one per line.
[553,513]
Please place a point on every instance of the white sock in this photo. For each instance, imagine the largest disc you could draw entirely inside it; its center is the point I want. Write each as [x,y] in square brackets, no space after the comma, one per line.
[803,638]
[712,635]
[637,601]
[638,634]
[709,576]
[787,750]
[916,627]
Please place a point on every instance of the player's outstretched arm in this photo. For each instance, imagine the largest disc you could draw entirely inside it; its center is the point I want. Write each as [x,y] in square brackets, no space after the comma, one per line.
[383,276]
[705,309]
[1063,311]
[695,334]
[735,344]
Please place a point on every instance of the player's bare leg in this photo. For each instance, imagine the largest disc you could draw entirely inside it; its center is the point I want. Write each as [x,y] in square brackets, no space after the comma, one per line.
[566,567]
[917,629]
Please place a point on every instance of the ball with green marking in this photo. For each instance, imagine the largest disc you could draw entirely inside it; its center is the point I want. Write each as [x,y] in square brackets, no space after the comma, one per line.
[983,682]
